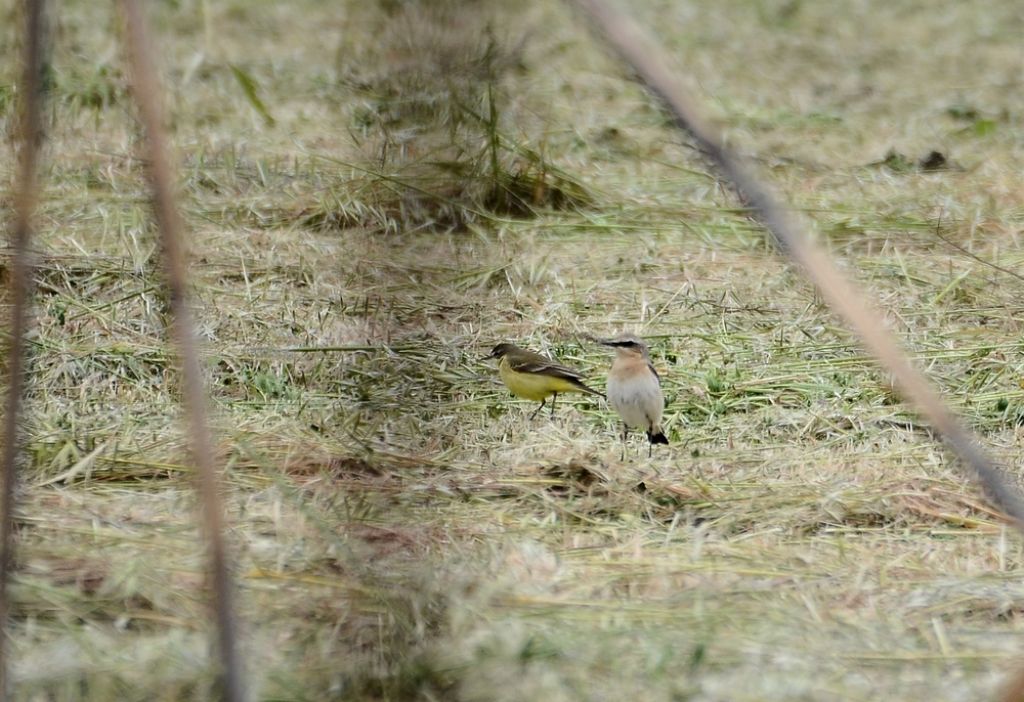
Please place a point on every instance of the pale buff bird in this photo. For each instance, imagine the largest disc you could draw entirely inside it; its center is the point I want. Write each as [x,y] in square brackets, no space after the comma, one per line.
[634,390]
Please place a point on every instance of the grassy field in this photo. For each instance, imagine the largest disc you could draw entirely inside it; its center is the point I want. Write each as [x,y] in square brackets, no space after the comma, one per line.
[378,193]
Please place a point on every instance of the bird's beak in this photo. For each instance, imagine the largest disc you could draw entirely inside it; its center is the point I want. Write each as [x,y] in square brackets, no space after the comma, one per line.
[597,340]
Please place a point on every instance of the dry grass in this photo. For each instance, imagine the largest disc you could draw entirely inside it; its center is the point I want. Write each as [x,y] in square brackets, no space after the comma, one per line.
[376,198]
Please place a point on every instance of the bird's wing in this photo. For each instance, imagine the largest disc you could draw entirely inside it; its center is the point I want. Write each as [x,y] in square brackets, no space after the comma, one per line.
[543,366]
[650,367]
[530,362]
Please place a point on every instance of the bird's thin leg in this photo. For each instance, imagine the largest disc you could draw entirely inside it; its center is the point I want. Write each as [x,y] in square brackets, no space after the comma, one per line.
[539,408]
[650,449]
[553,398]
[625,436]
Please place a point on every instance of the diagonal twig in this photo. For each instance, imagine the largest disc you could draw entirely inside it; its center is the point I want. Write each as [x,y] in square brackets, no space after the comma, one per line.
[30,136]
[146,90]
[651,65]
[970,254]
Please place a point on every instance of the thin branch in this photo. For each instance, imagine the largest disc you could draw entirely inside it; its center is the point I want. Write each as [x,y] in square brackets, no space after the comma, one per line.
[651,64]
[30,136]
[1013,689]
[146,90]
[970,254]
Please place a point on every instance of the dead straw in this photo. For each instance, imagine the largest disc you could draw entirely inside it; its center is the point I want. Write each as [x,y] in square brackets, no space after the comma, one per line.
[146,90]
[30,136]
[651,64]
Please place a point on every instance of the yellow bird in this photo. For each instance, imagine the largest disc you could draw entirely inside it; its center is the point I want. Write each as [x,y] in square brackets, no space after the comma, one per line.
[534,377]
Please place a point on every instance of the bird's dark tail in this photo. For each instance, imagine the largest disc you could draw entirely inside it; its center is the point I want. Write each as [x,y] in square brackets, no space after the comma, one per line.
[584,388]
[657,436]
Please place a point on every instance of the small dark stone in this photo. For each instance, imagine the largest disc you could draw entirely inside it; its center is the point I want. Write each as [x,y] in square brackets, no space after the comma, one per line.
[934,161]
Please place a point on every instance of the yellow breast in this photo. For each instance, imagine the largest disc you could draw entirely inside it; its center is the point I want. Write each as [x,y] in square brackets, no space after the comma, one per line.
[532,386]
